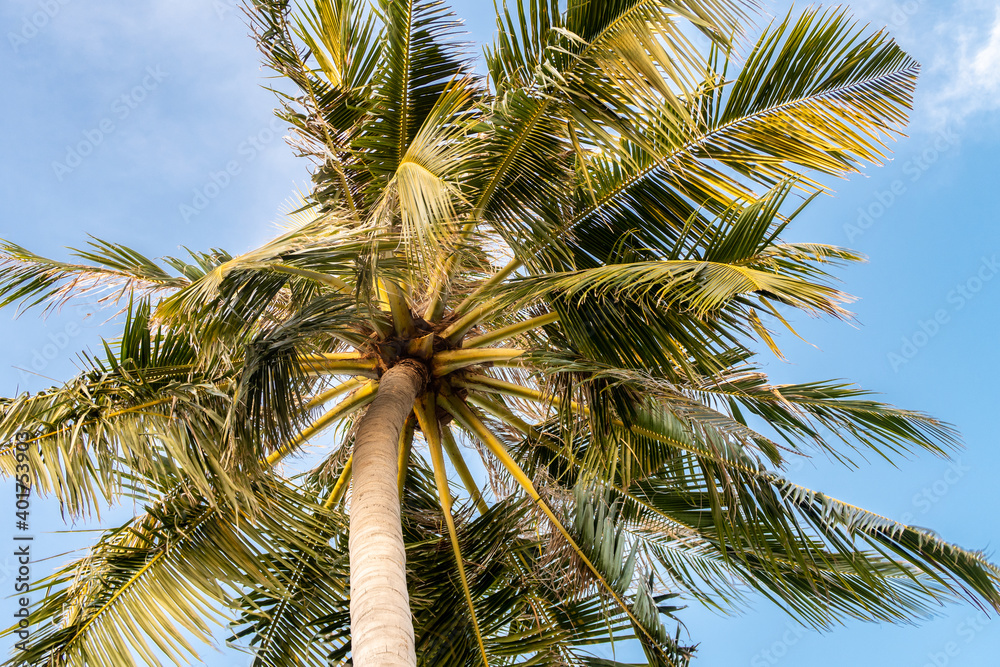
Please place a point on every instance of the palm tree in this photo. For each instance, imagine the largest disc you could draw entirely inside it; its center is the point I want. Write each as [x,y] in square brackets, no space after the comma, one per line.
[567,269]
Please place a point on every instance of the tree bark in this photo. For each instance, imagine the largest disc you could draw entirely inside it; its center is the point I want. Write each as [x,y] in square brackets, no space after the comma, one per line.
[381,622]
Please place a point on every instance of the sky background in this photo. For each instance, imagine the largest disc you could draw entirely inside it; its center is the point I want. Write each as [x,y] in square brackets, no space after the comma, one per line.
[121,116]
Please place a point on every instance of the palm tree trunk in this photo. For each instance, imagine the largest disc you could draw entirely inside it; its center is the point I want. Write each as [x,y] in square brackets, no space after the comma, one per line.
[381,623]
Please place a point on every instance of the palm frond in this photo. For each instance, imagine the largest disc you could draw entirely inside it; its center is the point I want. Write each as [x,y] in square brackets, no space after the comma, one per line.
[418,62]
[145,409]
[113,272]
[147,587]
[830,121]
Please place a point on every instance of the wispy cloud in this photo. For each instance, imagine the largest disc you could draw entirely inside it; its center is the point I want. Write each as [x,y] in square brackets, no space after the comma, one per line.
[970,72]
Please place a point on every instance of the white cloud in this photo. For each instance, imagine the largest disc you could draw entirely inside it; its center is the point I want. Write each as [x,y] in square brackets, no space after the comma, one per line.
[971,71]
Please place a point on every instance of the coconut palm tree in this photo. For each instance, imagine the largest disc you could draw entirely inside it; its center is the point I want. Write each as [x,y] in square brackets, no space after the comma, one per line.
[529,306]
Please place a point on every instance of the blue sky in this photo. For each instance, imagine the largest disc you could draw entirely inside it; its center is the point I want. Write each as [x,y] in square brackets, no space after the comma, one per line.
[146,123]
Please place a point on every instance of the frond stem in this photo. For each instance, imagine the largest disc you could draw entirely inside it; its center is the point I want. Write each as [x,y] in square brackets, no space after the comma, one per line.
[355,401]
[405,450]
[340,488]
[461,412]
[448,362]
[458,461]
[316,276]
[495,280]
[512,330]
[426,414]
[341,363]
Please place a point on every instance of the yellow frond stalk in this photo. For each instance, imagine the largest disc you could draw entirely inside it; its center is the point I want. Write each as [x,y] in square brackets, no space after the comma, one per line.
[426,415]
[357,400]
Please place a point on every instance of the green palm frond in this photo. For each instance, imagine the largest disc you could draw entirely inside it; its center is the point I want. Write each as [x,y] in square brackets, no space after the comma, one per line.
[558,74]
[148,587]
[602,534]
[113,272]
[826,116]
[813,412]
[282,625]
[417,64]
[716,524]
[144,409]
